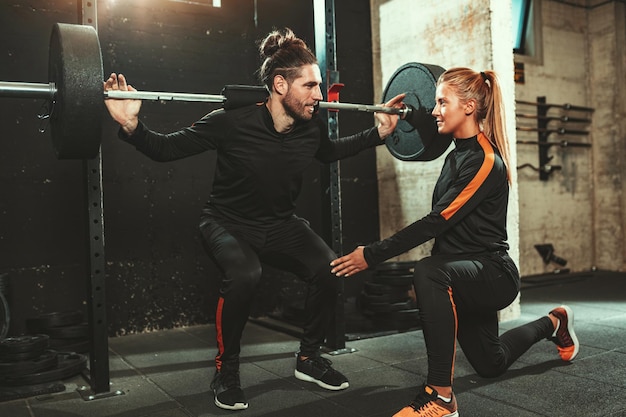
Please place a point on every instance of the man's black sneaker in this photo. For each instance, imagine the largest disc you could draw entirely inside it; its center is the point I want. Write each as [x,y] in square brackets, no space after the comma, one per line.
[319,370]
[227,390]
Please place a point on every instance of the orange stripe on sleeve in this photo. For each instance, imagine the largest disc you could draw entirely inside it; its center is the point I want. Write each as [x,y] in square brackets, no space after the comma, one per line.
[476,182]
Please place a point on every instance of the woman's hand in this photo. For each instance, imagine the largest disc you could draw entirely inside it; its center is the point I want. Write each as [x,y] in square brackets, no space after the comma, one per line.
[349,264]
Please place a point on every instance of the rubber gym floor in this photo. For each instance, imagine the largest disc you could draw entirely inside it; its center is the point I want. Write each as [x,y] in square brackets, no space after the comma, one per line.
[167,373]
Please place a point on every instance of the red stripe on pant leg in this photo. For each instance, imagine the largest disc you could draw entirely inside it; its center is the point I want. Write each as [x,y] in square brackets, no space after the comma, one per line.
[218,330]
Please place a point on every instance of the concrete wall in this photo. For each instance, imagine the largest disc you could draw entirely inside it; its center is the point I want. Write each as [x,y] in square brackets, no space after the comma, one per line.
[471,33]
[607,94]
[580,208]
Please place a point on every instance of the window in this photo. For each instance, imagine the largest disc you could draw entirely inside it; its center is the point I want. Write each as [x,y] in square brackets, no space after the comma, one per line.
[522,21]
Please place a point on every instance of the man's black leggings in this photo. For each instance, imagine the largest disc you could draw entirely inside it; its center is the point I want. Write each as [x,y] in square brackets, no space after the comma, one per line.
[459,297]
[239,251]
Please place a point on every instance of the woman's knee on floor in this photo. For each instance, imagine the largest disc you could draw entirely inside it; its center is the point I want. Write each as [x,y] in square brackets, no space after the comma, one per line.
[490,367]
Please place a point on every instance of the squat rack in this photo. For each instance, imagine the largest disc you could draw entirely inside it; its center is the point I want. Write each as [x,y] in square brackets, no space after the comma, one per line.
[325,50]
[99,377]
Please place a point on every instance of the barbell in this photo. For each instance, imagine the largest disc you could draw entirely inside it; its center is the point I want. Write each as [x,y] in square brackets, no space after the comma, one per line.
[76,99]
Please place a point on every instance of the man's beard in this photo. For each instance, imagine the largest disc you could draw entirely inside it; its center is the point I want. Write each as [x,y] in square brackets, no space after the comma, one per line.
[296,110]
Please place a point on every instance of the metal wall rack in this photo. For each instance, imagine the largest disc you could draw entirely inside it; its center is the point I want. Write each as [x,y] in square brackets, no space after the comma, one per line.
[560,119]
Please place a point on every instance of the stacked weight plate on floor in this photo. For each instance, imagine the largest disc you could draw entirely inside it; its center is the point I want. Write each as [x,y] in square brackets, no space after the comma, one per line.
[388,299]
[29,367]
[67,330]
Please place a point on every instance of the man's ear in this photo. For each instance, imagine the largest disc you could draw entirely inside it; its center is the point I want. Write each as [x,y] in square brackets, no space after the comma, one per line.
[280,84]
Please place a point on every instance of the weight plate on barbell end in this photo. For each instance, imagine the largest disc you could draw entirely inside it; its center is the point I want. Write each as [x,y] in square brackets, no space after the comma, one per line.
[419,140]
[75,67]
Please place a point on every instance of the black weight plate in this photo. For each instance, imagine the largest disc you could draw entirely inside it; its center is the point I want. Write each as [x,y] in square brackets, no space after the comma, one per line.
[43,362]
[395,266]
[70,345]
[374,288]
[69,332]
[69,365]
[75,67]
[22,344]
[393,273]
[13,393]
[390,307]
[416,138]
[21,356]
[43,322]
[5,317]
[412,314]
[383,298]
[394,280]
[403,275]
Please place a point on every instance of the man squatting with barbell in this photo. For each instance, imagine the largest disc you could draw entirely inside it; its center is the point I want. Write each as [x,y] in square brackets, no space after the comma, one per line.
[262,152]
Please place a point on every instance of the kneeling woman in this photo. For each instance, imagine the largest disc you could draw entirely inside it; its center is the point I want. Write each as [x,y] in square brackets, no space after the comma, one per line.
[469,275]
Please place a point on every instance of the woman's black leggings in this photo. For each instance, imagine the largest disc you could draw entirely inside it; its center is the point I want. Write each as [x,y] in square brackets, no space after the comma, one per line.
[459,297]
[239,250]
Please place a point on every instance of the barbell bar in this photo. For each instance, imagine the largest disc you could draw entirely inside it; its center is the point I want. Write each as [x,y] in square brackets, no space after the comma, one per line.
[209,98]
[76,99]
[48,91]
[27,90]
